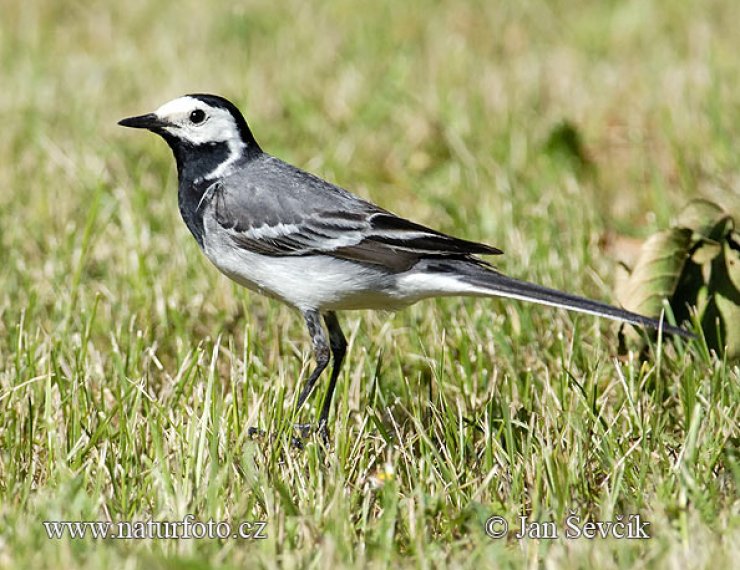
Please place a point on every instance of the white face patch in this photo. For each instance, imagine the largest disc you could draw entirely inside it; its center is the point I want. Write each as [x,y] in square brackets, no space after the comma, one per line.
[217,126]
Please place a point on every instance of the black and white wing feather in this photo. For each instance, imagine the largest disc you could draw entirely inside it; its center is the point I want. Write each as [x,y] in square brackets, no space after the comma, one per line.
[287,212]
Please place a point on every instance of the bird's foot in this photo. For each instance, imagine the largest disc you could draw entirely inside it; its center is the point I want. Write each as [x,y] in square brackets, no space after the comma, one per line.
[255,433]
[301,432]
[304,432]
[324,432]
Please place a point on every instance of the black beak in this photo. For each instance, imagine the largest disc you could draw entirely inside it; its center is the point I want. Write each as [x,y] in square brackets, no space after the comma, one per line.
[149,121]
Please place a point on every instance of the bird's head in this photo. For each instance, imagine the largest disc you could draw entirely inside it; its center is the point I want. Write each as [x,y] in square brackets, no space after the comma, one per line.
[199,124]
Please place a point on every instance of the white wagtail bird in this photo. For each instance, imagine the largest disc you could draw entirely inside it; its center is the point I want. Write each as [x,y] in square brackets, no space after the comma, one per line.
[288,234]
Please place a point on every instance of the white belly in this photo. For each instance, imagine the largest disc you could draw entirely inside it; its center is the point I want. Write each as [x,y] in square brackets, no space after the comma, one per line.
[306,282]
[324,283]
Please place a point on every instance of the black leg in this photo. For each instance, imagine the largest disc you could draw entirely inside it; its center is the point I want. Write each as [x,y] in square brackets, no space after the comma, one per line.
[321,352]
[338,350]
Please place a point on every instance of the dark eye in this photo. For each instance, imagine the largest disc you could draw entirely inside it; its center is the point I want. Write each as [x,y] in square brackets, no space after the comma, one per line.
[197,116]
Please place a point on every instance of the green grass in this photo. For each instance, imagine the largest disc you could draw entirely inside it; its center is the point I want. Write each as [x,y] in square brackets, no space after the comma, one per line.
[130,368]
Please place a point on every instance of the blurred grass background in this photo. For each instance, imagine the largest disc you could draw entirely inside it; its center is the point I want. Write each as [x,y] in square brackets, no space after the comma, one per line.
[130,369]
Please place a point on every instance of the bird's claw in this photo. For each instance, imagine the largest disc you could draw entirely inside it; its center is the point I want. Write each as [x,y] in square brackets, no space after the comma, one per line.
[301,432]
[324,432]
[304,432]
[255,433]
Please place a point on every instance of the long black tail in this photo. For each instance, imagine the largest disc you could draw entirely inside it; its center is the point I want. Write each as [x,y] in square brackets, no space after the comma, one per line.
[493,283]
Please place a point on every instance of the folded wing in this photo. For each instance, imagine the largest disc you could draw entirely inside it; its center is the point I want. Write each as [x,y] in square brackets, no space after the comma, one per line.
[299,216]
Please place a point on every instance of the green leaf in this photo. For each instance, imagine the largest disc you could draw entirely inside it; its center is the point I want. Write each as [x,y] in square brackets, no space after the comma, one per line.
[706,252]
[706,219]
[732,257]
[657,271]
[694,264]
[724,283]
